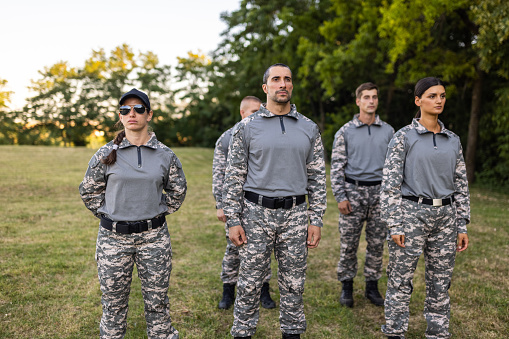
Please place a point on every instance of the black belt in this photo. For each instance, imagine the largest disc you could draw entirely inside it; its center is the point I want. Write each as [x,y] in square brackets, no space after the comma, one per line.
[128,227]
[274,203]
[432,202]
[363,183]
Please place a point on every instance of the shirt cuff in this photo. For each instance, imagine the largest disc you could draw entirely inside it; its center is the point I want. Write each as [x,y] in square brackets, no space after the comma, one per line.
[316,221]
[231,222]
[219,205]
[462,225]
[396,230]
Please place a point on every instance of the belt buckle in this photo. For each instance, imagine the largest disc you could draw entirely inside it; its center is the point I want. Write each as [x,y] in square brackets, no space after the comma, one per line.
[279,202]
[135,227]
[437,202]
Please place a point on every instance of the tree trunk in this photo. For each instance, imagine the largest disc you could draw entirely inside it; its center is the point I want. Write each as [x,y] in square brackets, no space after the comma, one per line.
[473,126]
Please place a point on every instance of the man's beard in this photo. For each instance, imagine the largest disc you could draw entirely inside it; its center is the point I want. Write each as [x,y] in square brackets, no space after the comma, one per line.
[281,101]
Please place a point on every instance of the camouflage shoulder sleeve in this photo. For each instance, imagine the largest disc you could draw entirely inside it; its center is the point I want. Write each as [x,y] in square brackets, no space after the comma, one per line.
[316,185]
[461,195]
[92,188]
[176,186]
[235,176]
[339,159]
[218,169]
[390,195]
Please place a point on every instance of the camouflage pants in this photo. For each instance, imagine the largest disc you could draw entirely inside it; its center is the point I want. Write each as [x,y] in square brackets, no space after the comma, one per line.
[116,255]
[285,232]
[432,231]
[365,202]
[231,263]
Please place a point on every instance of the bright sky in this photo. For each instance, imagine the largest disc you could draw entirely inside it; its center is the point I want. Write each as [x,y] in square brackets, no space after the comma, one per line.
[37,34]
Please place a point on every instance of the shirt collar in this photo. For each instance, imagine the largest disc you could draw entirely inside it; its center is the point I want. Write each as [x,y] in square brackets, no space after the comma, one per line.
[264,112]
[422,130]
[359,123]
[151,143]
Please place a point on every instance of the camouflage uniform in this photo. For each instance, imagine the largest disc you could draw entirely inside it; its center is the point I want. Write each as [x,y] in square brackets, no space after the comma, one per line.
[364,200]
[116,253]
[284,230]
[231,260]
[432,230]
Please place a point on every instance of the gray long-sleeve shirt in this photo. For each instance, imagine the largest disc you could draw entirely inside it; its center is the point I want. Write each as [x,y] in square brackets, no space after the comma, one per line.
[275,156]
[423,164]
[358,153]
[132,188]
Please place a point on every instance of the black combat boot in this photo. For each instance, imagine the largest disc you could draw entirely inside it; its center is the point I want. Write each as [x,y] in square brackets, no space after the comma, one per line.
[372,293]
[291,336]
[346,297]
[265,298]
[228,296]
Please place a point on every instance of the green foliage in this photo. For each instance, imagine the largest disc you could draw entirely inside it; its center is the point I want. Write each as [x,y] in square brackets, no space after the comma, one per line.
[332,46]
[70,103]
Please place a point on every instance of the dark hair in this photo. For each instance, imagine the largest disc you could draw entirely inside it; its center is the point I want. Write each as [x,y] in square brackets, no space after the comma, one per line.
[112,157]
[367,86]
[266,74]
[422,86]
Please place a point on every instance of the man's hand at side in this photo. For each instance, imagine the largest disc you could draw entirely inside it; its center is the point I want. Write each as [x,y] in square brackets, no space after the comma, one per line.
[237,235]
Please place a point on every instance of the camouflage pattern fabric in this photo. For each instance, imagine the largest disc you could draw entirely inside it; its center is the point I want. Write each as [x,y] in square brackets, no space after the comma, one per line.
[218,169]
[390,197]
[365,202]
[237,167]
[432,231]
[285,232]
[116,255]
[231,263]
[93,187]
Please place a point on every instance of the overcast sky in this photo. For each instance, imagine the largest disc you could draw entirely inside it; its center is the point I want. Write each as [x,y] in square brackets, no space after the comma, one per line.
[36,33]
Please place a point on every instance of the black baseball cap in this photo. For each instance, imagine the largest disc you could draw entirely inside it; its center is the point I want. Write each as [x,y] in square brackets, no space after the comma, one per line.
[136,94]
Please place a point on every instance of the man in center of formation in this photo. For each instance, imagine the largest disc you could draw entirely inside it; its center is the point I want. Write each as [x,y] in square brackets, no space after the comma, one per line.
[276,158]
[358,156]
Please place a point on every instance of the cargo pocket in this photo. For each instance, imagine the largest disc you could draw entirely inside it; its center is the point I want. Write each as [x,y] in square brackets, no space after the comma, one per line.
[402,285]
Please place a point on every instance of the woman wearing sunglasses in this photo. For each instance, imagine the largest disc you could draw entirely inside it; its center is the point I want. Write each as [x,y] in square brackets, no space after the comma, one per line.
[131,184]
[426,205]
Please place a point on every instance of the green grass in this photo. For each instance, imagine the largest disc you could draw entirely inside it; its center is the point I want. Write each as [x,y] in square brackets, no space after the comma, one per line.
[48,276]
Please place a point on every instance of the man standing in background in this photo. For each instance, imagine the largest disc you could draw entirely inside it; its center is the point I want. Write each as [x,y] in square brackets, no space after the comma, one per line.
[231,261]
[358,156]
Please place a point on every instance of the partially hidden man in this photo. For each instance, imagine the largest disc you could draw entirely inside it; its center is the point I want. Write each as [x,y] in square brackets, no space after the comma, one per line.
[276,158]
[357,161]
[231,260]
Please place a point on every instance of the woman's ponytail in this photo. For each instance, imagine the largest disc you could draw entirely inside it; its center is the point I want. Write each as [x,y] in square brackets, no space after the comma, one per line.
[112,157]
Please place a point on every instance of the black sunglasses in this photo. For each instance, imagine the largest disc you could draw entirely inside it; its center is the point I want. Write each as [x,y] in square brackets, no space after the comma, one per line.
[140,109]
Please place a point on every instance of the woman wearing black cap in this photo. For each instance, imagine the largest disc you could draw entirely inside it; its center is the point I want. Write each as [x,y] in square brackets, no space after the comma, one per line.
[426,205]
[123,187]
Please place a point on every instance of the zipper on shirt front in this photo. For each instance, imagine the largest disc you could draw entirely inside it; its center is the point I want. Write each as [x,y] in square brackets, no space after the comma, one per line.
[434,141]
[139,156]
[369,130]
[282,125]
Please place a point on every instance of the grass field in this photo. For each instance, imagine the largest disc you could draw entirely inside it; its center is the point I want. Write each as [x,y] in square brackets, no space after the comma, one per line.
[48,276]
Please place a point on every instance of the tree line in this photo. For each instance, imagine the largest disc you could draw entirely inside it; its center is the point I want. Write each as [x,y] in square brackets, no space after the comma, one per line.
[331,46]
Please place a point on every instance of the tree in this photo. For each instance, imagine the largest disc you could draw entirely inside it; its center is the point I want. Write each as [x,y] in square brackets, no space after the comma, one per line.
[72,102]
[458,40]
[8,127]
